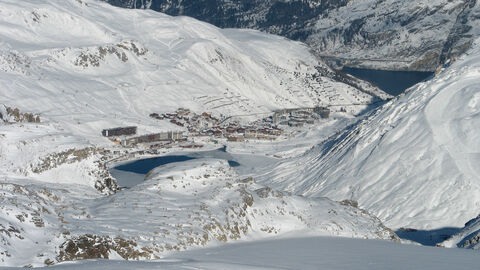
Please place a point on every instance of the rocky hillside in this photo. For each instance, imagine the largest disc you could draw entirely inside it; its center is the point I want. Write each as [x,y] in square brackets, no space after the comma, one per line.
[382,34]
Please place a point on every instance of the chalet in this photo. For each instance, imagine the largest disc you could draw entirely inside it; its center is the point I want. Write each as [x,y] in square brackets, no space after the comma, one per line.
[208,132]
[250,133]
[324,112]
[119,131]
[236,138]
[178,123]
[163,136]
[231,130]
[302,113]
[192,146]
[294,123]
[183,111]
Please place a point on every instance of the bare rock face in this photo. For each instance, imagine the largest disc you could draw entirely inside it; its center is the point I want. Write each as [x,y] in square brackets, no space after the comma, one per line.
[90,246]
[92,57]
[382,34]
[14,115]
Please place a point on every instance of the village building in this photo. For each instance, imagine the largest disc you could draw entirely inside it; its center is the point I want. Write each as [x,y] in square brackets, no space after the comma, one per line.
[324,112]
[238,138]
[119,131]
[156,137]
[295,123]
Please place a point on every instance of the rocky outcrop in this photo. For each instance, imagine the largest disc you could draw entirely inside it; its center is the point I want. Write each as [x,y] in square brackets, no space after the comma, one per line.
[9,114]
[90,246]
[92,57]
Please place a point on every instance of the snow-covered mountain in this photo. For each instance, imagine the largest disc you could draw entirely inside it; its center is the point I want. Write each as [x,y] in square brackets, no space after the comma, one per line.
[413,163]
[143,60]
[82,66]
[70,68]
[391,34]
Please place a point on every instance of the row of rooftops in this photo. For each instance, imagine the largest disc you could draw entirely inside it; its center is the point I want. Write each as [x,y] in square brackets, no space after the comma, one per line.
[205,124]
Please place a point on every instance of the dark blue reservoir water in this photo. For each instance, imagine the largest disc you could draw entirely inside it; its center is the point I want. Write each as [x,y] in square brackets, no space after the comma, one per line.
[143,166]
[392,82]
[134,172]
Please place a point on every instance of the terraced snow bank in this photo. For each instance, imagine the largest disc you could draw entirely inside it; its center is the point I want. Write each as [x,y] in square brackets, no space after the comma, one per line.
[413,163]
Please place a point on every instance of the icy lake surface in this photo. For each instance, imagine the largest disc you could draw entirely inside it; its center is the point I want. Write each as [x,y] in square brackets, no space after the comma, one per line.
[392,82]
[134,172]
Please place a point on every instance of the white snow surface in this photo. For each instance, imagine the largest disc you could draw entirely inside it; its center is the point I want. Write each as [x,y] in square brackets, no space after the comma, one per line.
[302,253]
[83,66]
[415,162]
[89,65]
[181,205]
[467,237]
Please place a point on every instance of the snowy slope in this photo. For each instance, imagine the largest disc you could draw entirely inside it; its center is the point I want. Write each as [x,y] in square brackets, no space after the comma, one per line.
[69,69]
[467,237]
[82,66]
[180,206]
[413,163]
[107,66]
[302,253]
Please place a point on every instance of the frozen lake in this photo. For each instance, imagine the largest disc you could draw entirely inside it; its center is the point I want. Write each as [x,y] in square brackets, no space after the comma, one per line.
[133,172]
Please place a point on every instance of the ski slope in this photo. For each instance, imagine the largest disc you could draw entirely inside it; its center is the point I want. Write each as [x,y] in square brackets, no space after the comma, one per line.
[83,66]
[303,253]
[413,163]
[87,65]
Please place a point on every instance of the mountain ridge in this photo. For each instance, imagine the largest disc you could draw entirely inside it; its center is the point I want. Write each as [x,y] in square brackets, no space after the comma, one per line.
[393,35]
[413,162]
